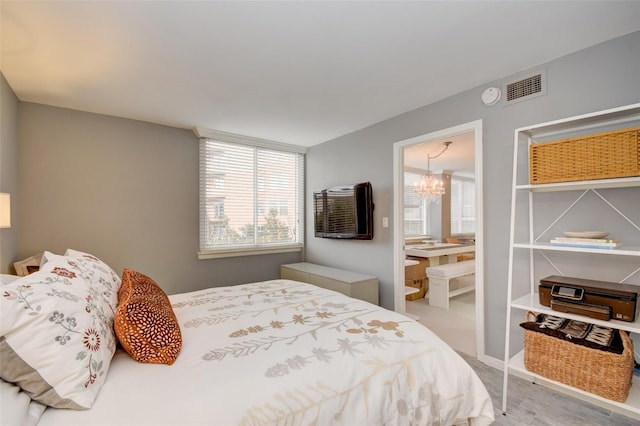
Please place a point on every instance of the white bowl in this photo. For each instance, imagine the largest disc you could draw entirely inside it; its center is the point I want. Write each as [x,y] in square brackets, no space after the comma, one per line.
[586,234]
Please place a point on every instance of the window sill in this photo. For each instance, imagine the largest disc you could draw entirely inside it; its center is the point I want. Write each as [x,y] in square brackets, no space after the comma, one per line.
[247,251]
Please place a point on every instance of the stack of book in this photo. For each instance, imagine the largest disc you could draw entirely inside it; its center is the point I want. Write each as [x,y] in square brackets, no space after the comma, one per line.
[599,243]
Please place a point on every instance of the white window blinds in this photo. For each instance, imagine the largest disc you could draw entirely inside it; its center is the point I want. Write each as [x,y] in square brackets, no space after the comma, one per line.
[463,206]
[251,198]
[415,221]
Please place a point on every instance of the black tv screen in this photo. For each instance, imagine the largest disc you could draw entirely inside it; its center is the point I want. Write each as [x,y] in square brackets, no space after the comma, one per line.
[344,212]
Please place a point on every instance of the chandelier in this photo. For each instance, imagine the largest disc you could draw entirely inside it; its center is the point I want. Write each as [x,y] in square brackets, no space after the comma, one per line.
[431,188]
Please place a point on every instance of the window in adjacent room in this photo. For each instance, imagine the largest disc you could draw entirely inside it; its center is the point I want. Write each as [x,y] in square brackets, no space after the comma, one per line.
[463,205]
[251,199]
[415,218]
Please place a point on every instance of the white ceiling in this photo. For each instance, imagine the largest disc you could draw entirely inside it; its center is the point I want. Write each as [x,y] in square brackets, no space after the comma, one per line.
[295,72]
[458,158]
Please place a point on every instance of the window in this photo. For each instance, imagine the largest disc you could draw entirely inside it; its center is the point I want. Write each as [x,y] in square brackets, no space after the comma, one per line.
[251,199]
[273,180]
[463,205]
[415,220]
[281,207]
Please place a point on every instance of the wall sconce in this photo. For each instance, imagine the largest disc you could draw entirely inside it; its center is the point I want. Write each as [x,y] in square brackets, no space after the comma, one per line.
[5,210]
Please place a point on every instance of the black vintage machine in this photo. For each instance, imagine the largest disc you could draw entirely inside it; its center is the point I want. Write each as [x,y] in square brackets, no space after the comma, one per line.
[596,299]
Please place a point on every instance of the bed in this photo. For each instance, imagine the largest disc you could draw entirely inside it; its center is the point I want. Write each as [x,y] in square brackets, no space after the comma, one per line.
[273,352]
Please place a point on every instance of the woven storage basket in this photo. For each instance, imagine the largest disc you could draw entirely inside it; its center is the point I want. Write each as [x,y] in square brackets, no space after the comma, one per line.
[598,156]
[602,373]
[420,284]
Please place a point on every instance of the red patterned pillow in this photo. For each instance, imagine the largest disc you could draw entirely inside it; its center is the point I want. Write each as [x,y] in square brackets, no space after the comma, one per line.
[145,323]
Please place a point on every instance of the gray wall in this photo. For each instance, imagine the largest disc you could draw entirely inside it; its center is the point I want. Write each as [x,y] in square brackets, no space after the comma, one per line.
[127,191]
[123,190]
[8,172]
[597,78]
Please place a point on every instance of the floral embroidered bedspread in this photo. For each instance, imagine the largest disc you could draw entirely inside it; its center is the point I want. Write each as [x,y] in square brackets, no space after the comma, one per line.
[285,352]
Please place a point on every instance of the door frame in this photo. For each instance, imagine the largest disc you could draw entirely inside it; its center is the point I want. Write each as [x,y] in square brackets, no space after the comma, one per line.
[398,220]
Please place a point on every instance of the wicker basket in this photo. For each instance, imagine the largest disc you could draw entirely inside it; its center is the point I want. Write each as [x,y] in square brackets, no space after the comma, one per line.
[605,155]
[602,373]
[420,284]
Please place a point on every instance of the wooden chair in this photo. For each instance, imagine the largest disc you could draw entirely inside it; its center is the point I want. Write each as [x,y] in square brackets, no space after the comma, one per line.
[462,256]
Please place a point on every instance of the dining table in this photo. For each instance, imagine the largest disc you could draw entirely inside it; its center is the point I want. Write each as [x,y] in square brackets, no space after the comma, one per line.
[439,253]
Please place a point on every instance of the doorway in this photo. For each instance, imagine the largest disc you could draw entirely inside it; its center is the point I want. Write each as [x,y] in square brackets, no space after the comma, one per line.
[472,131]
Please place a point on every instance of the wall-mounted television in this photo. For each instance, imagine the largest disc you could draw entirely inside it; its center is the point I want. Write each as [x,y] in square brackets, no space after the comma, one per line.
[344,212]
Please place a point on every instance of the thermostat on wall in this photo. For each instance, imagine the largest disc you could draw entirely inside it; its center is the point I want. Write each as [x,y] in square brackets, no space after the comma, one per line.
[491,96]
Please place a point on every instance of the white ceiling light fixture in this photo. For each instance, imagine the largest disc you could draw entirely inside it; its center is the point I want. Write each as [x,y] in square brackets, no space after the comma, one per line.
[430,188]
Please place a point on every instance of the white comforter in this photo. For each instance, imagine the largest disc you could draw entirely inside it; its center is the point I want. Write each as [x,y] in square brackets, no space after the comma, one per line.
[285,352]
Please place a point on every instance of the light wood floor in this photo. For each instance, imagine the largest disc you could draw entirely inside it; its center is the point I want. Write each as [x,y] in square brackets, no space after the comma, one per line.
[456,326]
[532,404]
[528,403]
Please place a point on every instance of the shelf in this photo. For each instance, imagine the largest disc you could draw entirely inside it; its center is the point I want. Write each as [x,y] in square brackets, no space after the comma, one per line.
[410,290]
[582,185]
[619,116]
[622,251]
[630,406]
[611,119]
[531,302]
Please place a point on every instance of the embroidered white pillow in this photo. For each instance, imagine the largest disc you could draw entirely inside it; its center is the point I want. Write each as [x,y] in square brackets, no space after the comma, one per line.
[98,274]
[56,335]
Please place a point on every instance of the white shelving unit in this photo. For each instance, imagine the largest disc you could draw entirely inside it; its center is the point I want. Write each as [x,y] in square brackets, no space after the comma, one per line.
[622,117]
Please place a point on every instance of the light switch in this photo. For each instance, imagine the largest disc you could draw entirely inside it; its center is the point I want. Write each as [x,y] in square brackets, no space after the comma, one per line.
[385,222]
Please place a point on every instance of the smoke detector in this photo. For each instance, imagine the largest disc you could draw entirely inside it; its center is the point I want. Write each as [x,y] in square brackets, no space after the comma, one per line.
[491,96]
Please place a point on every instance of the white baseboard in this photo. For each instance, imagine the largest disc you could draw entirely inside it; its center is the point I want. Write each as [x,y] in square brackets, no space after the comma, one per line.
[491,361]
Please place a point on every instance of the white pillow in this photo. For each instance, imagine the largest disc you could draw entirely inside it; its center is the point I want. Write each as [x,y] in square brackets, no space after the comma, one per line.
[98,274]
[16,408]
[14,404]
[6,278]
[56,331]
[46,256]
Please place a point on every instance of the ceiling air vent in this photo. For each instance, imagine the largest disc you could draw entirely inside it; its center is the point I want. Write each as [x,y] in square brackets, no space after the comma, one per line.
[531,86]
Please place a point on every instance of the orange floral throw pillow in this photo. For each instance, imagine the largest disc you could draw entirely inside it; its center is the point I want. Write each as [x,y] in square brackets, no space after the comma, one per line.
[145,323]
